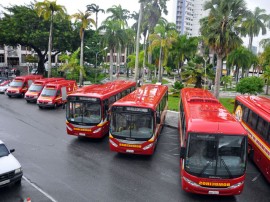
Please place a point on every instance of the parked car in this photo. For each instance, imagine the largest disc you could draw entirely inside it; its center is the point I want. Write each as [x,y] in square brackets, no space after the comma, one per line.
[10,169]
[4,86]
[34,71]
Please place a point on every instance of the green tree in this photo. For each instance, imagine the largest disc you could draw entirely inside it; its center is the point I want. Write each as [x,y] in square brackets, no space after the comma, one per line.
[164,36]
[192,73]
[112,37]
[250,85]
[254,24]
[71,66]
[95,9]
[240,58]
[219,30]
[266,76]
[227,80]
[21,25]
[85,23]
[48,9]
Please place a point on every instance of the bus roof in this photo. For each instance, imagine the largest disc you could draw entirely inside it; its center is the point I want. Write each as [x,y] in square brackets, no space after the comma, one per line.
[205,114]
[105,90]
[259,104]
[147,96]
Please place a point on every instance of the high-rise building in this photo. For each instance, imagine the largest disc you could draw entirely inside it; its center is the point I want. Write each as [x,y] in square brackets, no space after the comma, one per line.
[188,15]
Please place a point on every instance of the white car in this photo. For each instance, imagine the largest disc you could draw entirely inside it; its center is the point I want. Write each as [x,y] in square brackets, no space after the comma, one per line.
[10,168]
[4,88]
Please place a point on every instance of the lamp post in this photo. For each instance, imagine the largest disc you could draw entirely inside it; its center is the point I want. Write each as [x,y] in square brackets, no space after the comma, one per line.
[205,58]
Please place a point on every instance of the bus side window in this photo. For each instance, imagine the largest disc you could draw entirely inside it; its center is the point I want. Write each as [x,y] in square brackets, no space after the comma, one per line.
[252,119]
[260,129]
[106,106]
[111,100]
[245,113]
[58,93]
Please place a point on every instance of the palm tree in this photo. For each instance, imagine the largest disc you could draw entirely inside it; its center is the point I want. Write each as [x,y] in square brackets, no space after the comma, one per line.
[240,58]
[95,9]
[254,23]
[112,37]
[48,9]
[193,73]
[164,36]
[85,23]
[219,30]
[184,48]
[118,14]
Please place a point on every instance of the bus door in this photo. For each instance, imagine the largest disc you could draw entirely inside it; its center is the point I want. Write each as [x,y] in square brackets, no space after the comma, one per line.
[64,93]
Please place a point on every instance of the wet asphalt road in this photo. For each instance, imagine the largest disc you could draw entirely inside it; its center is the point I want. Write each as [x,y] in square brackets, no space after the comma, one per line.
[58,167]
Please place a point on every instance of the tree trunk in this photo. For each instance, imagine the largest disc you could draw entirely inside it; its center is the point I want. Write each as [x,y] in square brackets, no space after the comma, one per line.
[111,64]
[81,60]
[218,74]
[160,64]
[50,49]
[136,77]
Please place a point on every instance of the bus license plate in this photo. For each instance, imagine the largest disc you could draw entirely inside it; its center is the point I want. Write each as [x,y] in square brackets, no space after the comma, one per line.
[4,182]
[129,151]
[81,134]
[213,192]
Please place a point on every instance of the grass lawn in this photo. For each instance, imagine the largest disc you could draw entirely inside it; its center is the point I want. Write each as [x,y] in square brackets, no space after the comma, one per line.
[228,103]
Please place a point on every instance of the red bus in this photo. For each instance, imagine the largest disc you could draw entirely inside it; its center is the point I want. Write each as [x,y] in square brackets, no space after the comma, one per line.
[87,109]
[137,120]
[213,155]
[254,114]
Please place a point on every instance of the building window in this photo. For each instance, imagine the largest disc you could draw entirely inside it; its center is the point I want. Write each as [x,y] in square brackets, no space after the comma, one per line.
[2,58]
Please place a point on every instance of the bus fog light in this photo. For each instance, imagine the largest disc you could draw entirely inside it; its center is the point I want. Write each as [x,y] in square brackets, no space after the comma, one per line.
[113,143]
[148,146]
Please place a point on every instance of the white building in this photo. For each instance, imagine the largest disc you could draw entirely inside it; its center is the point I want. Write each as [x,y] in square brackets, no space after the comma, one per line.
[188,15]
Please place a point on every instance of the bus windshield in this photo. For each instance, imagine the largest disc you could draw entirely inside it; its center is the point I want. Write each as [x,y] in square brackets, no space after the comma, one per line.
[16,84]
[35,88]
[47,92]
[82,112]
[138,126]
[216,156]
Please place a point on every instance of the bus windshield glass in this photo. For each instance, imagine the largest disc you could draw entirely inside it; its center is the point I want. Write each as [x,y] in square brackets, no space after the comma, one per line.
[35,88]
[48,92]
[216,156]
[16,84]
[135,125]
[84,112]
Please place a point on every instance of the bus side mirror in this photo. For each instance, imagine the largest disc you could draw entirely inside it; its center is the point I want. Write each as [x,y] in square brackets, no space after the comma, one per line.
[182,152]
[158,120]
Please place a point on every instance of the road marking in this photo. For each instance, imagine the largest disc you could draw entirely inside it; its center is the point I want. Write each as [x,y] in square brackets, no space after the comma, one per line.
[255,178]
[40,190]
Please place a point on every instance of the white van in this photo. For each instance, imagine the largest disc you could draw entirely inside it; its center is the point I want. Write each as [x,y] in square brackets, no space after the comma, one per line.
[10,168]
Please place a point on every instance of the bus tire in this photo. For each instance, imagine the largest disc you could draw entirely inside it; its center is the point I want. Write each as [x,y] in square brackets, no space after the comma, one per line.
[40,107]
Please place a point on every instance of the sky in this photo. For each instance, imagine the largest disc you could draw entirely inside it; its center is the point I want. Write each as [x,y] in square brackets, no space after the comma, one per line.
[133,5]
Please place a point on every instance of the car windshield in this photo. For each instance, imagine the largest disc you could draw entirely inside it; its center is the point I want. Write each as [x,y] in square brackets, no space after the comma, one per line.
[216,156]
[16,84]
[35,88]
[47,92]
[136,125]
[84,112]
[3,150]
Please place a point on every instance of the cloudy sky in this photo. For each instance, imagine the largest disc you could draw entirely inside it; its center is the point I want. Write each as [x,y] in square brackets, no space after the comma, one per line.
[133,5]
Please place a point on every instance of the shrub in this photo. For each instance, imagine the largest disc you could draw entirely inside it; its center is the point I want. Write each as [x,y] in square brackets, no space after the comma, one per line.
[250,85]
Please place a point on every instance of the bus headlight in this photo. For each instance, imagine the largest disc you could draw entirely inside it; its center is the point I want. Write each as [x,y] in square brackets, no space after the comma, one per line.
[236,185]
[113,143]
[97,130]
[148,146]
[191,182]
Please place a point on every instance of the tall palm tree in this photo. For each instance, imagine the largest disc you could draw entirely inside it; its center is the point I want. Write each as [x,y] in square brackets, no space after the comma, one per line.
[48,9]
[85,23]
[112,37]
[163,37]
[240,58]
[254,23]
[219,30]
[95,9]
[118,14]
[185,47]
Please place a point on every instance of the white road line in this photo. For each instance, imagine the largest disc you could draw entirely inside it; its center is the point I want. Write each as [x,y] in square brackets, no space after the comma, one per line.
[40,190]
[255,178]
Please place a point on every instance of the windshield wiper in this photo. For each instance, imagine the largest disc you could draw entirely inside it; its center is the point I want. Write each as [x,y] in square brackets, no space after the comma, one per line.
[205,167]
[226,167]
